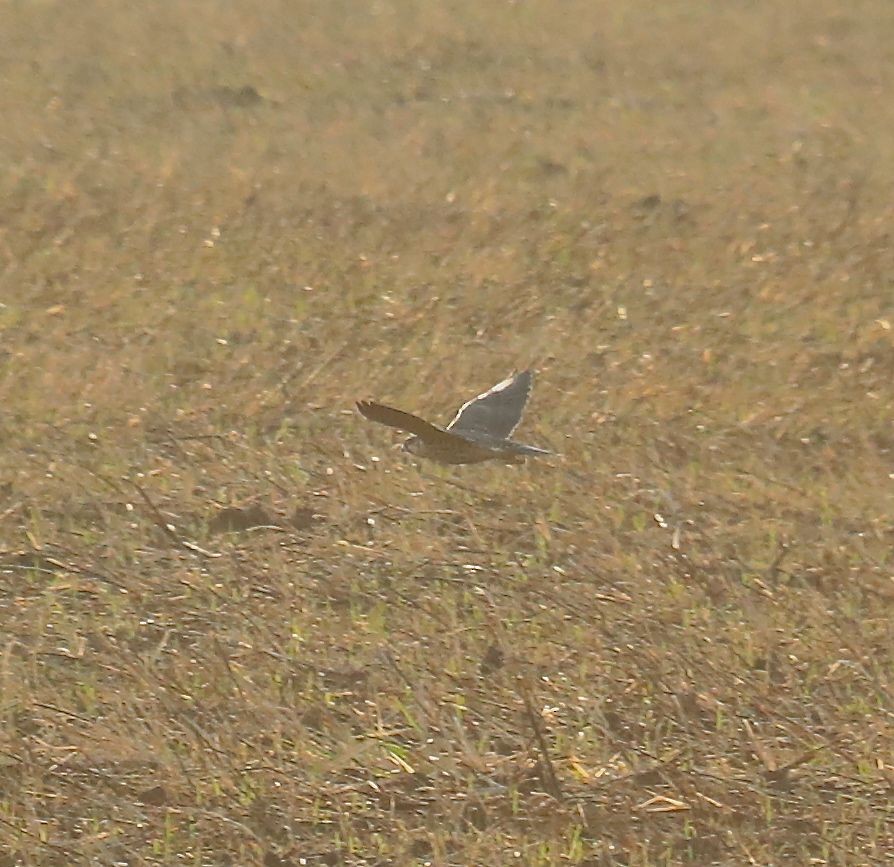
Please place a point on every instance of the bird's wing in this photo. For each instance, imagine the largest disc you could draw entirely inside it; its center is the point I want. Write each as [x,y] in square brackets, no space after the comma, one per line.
[403,421]
[498,411]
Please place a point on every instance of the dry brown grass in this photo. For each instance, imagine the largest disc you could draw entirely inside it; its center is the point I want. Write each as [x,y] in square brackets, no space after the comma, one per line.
[220,224]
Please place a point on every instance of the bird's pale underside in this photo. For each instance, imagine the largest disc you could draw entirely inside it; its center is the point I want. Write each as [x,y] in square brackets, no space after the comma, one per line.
[480,431]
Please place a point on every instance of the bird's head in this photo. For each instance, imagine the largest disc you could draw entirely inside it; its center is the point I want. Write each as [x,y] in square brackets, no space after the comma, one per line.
[413,445]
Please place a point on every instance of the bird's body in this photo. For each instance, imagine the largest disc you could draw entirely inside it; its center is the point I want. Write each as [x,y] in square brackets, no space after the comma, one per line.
[472,448]
[479,432]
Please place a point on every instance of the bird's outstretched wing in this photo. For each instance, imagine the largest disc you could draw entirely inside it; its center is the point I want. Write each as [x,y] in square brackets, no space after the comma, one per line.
[404,421]
[498,411]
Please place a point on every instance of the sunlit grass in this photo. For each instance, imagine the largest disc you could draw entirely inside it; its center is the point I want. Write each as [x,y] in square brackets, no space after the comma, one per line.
[220,229]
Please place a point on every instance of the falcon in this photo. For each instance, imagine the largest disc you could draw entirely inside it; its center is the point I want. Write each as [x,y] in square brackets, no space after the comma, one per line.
[480,431]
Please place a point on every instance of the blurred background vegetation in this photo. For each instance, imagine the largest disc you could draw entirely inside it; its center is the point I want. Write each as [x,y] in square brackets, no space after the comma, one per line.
[240,628]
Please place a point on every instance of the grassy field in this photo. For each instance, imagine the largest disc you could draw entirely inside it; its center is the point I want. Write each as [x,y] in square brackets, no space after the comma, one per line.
[238,627]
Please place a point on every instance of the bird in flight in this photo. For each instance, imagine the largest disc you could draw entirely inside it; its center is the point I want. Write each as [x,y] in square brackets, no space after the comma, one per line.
[479,432]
